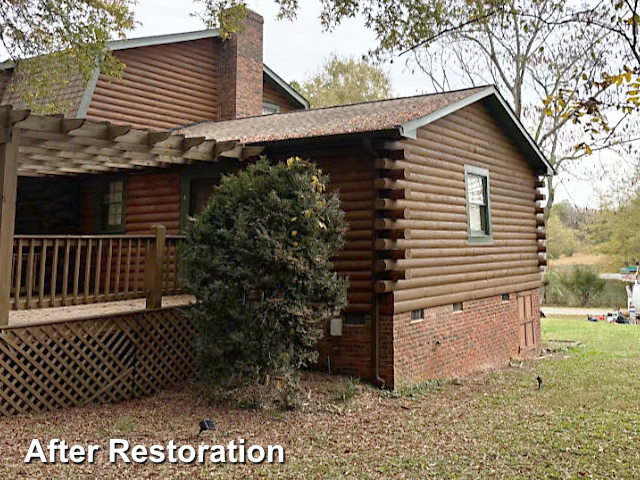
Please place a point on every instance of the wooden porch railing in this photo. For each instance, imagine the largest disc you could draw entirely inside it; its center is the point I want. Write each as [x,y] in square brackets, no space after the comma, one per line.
[62,270]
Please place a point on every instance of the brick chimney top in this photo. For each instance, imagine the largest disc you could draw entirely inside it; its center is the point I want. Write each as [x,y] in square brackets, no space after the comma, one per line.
[240,71]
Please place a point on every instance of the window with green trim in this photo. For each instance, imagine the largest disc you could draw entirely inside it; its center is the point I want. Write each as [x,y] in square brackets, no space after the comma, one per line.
[112,206]
[478,205]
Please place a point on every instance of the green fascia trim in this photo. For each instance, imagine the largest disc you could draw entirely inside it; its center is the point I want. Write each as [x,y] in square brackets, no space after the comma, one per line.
[83,108]
[480,239]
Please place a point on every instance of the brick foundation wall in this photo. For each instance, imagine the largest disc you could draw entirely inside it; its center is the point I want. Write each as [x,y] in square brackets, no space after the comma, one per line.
[447,344]
[240,71]
[349,354]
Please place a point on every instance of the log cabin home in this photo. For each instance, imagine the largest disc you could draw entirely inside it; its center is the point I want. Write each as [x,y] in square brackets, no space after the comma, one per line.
[446,239]
[442,194]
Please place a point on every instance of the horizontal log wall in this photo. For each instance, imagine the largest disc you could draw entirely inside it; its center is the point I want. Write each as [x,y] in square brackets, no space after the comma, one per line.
[427,258]
[153,199]
[5,79]
[353,179]
[163,86]
[272,94]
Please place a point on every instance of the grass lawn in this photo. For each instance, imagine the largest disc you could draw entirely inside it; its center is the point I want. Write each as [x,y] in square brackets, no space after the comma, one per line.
[583,423]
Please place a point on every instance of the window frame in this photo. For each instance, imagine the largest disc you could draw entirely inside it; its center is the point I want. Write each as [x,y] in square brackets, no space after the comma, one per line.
[102,216]
[479,238]
[187,175]
[274,107]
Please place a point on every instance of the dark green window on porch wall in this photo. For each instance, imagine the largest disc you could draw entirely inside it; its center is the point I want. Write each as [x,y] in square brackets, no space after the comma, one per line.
[197,183]
[113,205]
[477,188]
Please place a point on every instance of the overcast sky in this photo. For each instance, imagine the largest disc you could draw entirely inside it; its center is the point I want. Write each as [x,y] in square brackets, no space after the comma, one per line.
[291,49]
[295,49]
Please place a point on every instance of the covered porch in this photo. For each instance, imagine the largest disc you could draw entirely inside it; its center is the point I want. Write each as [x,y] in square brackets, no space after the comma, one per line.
[82,316]
[50,253]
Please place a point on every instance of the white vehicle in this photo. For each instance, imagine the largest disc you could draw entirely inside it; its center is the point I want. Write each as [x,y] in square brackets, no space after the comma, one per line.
[629,275]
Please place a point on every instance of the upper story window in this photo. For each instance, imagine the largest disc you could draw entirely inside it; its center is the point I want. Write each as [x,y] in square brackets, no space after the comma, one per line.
[113,206]
[479,228]
[269,108]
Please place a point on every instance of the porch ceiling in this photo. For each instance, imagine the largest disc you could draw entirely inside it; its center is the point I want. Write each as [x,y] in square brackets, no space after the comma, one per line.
[54,145]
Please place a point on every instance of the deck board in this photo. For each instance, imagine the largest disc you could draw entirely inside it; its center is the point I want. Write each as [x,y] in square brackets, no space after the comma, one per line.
[57,314]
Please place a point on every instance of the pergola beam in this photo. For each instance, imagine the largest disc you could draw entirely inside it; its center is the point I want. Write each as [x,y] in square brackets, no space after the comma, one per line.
[190,142]
[70,124]
[115,131]
[110,148]
[157,137]
[54,145]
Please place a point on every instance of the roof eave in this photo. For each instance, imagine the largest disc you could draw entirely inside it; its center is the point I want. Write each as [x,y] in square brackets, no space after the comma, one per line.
[504,115]
[149,41]
[163,39]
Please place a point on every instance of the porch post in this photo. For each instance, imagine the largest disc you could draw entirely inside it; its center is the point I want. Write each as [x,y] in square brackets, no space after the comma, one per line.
[155,266]
[8,193]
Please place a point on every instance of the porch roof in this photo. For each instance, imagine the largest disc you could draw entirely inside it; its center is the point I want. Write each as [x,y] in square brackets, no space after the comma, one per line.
[54,145]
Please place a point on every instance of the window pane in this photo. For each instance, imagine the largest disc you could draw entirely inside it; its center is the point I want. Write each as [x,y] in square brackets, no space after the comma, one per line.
[476,190]
[113,204]
[475,218]
[483,219]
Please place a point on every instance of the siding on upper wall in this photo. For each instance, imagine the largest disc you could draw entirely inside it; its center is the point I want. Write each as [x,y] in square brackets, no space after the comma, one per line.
[272,94]
[444,267]
[163,86]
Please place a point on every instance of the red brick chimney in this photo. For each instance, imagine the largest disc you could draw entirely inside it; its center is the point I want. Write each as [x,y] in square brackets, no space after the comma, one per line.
[240,71]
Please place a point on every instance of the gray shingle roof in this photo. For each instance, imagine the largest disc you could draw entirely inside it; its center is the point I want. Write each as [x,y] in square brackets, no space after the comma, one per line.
[345,119]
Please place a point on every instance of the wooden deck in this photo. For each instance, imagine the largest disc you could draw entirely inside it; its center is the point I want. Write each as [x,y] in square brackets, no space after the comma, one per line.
[80,312]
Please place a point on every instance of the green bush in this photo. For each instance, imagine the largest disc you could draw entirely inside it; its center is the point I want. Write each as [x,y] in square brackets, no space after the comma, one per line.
[579,286]
[258,261]
[584,283]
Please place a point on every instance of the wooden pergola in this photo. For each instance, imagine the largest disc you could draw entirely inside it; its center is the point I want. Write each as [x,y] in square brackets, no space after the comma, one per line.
[37,146]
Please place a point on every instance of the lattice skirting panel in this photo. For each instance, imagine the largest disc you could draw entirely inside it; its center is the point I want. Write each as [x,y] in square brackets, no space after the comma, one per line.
[104,360]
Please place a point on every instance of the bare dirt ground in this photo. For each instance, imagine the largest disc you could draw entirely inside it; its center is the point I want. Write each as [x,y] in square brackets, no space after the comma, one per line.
[364,434]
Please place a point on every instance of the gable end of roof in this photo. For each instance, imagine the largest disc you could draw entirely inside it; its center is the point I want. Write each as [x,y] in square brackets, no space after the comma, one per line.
[288,89]
[505,116]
